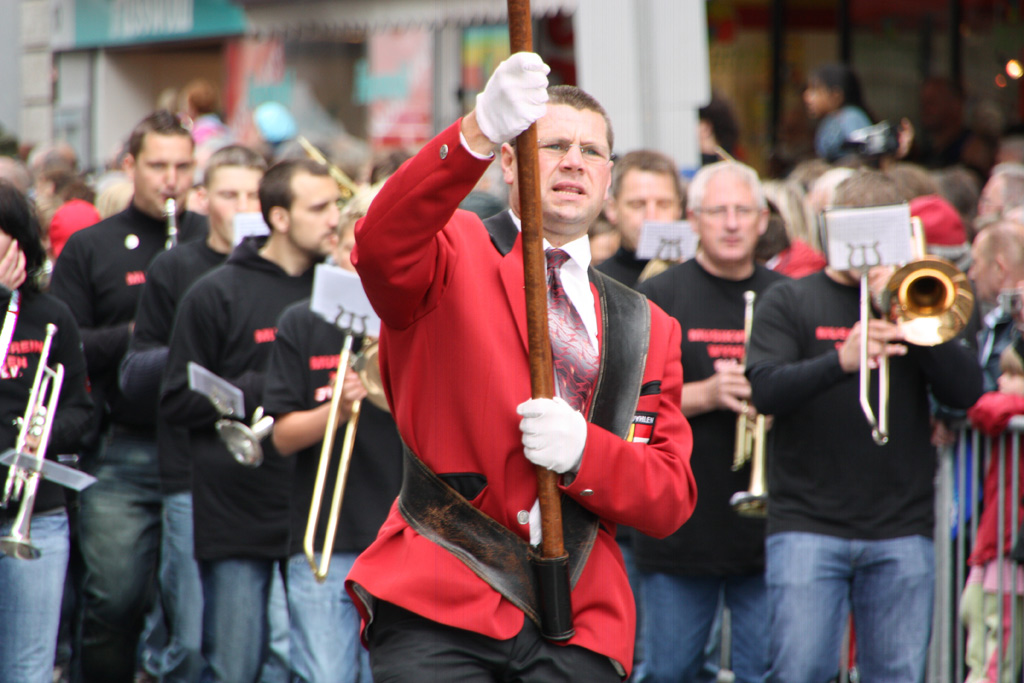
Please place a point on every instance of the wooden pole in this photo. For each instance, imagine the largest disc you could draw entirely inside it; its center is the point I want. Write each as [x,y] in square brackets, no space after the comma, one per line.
[541,370]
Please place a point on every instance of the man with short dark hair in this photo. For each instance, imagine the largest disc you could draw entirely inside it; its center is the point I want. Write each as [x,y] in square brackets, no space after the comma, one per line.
[645,187]
[227,323]
[850,522]
[443,601]
[230,186]
[100,275]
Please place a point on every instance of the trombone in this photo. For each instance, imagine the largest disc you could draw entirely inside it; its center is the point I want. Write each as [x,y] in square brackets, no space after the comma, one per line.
[750,440]
[33,438]
[365,362]
[346,185]
[931,300]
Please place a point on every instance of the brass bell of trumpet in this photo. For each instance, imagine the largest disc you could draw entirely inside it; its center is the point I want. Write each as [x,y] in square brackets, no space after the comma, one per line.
[242,440]
[754,501]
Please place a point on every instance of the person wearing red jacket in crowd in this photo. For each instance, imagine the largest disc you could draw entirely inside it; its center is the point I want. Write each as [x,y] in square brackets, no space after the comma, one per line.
[979,602]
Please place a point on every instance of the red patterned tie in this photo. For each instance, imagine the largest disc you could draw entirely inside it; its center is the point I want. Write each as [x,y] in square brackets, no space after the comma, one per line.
[574,357]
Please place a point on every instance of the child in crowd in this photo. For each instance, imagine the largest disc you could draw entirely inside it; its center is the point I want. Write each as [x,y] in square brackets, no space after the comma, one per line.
[979,603]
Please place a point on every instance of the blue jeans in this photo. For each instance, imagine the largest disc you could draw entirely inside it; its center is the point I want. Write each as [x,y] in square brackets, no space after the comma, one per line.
[235,632]
[181,593]
[813,583]
[30,598]
[325,643]
[277,666]
[119,538]
[679,612]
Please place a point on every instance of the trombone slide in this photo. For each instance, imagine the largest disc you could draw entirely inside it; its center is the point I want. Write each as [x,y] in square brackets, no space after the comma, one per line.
[321,568]
[880,425]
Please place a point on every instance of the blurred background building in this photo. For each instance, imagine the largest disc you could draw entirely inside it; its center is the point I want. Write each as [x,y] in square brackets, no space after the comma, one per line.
[391,72]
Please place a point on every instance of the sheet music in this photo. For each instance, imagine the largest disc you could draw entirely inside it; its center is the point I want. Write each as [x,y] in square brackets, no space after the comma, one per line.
[48,469]
[338,298]
[248,225]
[225,396]
[866,237]
[673,241]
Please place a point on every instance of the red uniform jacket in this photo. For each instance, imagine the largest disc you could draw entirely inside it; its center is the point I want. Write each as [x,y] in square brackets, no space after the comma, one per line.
[454,362]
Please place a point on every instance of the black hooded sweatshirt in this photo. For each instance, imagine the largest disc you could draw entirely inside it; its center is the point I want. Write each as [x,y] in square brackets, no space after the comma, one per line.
[227,323]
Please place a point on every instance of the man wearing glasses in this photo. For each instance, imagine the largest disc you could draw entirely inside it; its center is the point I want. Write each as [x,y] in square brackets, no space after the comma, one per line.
[718,553]
[436,603]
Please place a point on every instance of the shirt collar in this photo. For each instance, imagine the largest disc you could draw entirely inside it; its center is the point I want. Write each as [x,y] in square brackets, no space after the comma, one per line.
[578,250]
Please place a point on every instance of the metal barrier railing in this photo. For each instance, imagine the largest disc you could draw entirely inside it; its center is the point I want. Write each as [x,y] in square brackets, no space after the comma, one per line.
[959,485]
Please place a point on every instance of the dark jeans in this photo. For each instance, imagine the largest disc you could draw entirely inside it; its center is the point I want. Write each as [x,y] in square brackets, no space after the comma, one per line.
[119,538]
[406,647]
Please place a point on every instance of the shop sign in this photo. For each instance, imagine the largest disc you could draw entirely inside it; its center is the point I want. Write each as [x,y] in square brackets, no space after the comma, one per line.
[396,83]
[100,23]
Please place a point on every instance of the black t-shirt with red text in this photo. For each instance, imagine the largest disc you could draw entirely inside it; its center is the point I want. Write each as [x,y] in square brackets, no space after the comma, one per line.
[716,540]
[99,275]
[826,475]
[74,407]
[301,376]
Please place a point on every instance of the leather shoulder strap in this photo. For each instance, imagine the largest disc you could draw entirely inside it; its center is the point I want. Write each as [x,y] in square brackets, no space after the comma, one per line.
[625,339]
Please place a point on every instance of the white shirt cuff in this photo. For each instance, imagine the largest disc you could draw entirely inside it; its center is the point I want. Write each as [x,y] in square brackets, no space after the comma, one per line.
[465,146]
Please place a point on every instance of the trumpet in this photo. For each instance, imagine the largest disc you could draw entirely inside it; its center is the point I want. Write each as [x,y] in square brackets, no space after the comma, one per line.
[242,440]
[171,216]
[750,439]
[366,364]
[931,301]
[33,438]
[746,434]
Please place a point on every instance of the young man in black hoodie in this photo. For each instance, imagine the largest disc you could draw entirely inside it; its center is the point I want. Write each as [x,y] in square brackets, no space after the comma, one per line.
[230,186]
[99,275]
[227,323]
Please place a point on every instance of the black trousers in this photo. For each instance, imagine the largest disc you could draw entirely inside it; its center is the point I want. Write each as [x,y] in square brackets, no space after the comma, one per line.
[407,647]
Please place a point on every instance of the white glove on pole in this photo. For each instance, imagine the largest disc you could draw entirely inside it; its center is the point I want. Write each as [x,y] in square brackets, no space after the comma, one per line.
[515,96]
[553,434]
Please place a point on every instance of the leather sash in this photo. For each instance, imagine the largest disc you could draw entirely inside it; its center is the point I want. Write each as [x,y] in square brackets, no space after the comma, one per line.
[492,551]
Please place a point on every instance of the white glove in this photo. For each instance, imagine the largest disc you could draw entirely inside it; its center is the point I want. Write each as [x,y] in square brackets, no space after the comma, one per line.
[553,434]
[515,96]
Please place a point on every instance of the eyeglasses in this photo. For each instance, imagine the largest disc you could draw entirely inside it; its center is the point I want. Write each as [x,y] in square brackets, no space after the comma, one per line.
[743,212]
[594,155]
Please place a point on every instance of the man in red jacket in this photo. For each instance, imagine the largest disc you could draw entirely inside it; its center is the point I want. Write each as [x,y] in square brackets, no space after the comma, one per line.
[441,598]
